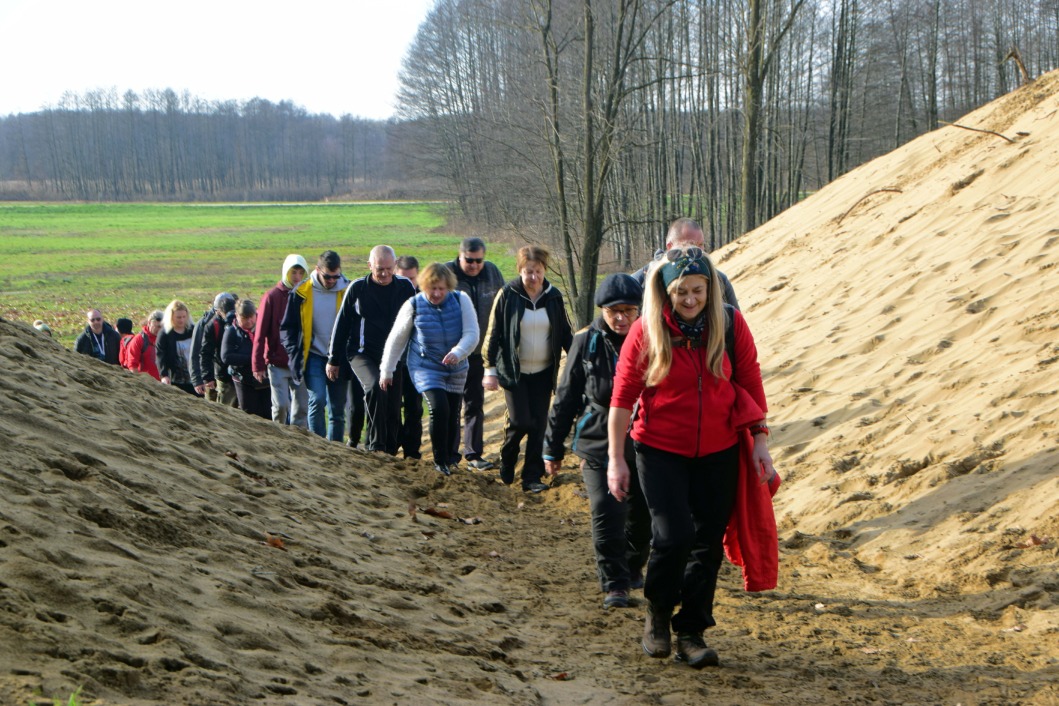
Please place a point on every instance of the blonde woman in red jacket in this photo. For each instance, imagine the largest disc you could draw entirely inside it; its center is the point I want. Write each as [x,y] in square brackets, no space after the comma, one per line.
[687,439]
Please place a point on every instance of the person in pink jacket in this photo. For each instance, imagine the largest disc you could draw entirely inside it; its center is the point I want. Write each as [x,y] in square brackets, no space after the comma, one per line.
[690,382]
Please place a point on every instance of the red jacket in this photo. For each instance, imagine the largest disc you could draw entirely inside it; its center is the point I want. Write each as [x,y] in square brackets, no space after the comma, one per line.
[751,540]
[268,350]
[689,412]
[140,360]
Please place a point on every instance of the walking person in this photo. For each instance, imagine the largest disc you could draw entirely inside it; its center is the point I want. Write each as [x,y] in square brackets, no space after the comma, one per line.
[528,331]
[699,434]
[439,329]
[99,339]
[237,352]
[173,347]
[480,280]
[359,336]
[305,332]
[289,401]
[410,438]
[216,383]
[621,531]
[139,355]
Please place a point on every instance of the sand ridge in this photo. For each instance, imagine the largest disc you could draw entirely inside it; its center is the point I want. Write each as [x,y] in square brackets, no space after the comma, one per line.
[907,324]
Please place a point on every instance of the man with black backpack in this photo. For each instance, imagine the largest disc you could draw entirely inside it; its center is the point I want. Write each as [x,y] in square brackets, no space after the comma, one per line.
[208,374]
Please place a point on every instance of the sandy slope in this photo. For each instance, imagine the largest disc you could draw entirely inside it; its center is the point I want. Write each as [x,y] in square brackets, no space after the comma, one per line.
[907,321]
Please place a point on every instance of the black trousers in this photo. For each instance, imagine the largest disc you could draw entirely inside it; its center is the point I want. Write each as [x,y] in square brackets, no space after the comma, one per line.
[690,500]
[621,531]
[444,422]
[411,436]
[253,400]
[473,405]
[527,417]
[354,412]
[382,408]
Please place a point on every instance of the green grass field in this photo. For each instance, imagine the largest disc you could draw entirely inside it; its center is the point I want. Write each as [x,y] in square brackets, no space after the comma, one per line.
[58,260]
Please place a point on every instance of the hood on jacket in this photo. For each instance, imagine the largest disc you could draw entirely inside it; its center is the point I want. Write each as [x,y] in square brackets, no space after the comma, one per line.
[289,263]
[318,286]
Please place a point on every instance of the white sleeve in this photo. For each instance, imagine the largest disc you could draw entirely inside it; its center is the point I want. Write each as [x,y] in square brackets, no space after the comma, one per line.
[397,340]
[471,333]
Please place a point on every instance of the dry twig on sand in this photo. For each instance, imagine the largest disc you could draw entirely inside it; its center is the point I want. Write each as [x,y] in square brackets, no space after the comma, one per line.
[977,129]
[892,190]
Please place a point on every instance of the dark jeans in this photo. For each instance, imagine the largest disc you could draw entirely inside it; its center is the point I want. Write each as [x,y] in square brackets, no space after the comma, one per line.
[690,500]
[382,408]
[253,400]
[444,423]
[527,416]
[327,399]
[411,436]
[473,411]
[621,531]
[355,412]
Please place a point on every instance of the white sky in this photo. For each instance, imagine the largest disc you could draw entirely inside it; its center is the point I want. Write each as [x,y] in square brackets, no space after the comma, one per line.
[328,56]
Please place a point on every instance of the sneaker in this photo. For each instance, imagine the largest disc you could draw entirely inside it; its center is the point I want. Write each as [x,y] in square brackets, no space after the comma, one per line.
[692,649]
[616,599]
[534,487]
[480,464]
[442,469]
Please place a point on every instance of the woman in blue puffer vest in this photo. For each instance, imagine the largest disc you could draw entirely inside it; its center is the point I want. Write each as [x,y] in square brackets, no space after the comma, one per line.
[439,327]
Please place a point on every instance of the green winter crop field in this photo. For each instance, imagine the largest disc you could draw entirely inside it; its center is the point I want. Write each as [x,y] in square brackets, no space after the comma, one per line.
[57,260]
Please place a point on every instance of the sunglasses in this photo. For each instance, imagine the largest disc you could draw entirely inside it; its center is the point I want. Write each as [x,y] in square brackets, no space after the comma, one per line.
[474,260]
[95,320]
[691,253]
[330,278]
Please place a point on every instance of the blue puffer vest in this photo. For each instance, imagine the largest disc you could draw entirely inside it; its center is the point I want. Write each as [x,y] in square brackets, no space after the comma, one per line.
[437,329]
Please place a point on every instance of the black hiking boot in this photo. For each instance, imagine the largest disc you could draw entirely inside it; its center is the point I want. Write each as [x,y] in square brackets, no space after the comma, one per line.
[656,639]
[692,649]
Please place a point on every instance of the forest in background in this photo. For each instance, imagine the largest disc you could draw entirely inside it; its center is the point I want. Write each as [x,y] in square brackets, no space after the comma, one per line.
[585,124]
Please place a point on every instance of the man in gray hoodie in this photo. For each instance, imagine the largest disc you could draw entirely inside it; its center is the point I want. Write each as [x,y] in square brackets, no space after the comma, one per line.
[306,336]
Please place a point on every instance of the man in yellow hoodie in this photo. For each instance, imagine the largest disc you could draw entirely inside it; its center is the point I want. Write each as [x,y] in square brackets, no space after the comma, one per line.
[306,335]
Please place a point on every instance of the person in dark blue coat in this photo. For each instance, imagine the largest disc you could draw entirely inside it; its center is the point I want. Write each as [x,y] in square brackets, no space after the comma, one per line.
[237,352]
[621,531]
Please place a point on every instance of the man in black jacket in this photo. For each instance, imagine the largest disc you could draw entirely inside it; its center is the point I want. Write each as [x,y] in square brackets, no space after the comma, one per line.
[364,321]
[99,339]
[480,280]
[208,374]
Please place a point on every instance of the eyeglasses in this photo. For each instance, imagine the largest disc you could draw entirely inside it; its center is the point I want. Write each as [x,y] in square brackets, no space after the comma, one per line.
[330,278]
[627,312]
[95,320]
[473,260]
[692,253]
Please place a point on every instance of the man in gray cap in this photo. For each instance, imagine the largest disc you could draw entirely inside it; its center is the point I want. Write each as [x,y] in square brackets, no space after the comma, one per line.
[208,374]
[621,531]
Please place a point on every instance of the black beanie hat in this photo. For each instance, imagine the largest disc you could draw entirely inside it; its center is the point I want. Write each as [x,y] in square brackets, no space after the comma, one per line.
[619,289]
[124,325]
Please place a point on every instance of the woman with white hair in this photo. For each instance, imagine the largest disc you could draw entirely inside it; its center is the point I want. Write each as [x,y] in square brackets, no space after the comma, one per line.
[173,347]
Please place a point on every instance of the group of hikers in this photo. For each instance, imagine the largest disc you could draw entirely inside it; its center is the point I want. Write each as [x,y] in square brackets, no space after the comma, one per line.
[662,392]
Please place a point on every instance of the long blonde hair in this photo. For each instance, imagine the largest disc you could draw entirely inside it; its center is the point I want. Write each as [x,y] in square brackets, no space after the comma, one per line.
[658,348]
[172,308]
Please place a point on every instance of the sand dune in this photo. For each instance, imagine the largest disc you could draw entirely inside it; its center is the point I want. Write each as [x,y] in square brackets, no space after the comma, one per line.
[908,326]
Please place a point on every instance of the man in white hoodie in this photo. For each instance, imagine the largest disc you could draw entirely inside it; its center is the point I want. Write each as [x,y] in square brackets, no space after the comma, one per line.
[290,401]
[305,331]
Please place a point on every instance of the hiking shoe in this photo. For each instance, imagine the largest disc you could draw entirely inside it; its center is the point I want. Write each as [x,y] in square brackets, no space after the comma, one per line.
[692,649]
[616,599]
[636,582]
[442,469]
[656,639]
[480,464]
[534,487]
[507,477]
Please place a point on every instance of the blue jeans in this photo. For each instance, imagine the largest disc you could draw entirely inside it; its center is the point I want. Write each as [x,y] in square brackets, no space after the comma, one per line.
[324,393]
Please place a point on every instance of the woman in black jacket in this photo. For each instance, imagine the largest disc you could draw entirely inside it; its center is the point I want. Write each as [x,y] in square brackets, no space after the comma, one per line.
[173,347]
[528,331]
[621,531]
[237,347]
